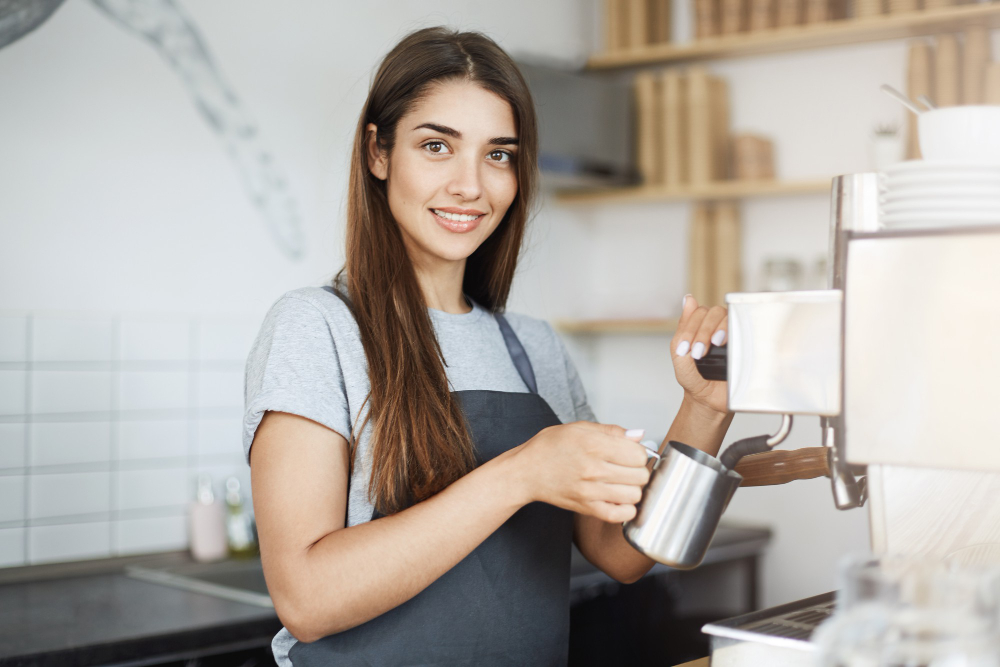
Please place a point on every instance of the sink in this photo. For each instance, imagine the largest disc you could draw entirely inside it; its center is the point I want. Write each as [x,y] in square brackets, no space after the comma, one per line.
[238,580]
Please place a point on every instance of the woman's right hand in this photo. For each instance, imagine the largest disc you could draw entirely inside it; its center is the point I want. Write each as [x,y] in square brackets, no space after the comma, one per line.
[585,467]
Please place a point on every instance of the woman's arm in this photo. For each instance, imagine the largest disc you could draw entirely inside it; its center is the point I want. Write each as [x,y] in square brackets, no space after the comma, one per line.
[699,423]
[325,578]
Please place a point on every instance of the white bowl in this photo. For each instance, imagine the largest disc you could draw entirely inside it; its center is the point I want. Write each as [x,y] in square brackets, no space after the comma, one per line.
[961,133]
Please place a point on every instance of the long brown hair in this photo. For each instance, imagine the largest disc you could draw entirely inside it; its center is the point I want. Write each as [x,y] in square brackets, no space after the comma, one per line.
[420,443]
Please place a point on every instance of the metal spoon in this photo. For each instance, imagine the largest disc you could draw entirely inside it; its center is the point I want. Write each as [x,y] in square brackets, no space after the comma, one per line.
[900,97]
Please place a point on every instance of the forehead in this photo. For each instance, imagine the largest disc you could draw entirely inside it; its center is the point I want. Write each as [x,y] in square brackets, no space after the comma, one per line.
[464,106]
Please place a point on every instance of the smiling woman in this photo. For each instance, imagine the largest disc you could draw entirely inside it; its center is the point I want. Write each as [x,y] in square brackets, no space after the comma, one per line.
[423,459]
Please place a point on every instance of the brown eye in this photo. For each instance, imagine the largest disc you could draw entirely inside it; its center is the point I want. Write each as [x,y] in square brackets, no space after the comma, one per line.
[500,156]
[436,147]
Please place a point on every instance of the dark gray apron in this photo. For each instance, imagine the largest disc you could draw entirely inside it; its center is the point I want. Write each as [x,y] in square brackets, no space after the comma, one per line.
[507,602]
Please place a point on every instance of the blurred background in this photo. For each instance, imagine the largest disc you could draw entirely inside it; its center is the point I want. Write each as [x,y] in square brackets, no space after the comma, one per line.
[169,169]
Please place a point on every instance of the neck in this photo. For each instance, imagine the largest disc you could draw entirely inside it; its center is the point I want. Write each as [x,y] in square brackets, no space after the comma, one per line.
[441,285]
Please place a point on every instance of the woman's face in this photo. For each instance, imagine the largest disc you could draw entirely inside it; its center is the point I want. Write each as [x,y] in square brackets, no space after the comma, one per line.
[451,175]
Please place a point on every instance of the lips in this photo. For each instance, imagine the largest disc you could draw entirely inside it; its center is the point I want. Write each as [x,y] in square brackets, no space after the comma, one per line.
[457,226]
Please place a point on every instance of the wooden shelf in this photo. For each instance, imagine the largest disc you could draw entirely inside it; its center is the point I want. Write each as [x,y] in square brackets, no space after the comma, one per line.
[722,190]
[618,326]
[802,37]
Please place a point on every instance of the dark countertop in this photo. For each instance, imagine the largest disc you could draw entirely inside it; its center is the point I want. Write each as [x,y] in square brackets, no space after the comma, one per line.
[90,612]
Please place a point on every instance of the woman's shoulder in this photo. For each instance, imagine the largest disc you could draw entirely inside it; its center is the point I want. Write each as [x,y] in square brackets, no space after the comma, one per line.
[310,302]
[308,311]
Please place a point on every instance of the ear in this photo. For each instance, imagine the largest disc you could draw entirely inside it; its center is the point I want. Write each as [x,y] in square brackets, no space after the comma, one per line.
[378,161]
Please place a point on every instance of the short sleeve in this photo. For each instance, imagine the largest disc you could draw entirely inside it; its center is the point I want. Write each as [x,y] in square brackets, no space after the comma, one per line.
[293,367]
[581,408]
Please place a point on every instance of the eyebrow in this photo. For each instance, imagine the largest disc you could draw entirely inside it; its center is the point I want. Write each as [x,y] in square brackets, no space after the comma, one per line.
[451,132]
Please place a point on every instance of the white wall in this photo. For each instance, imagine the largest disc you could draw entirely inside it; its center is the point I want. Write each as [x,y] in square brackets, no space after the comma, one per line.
[118,199]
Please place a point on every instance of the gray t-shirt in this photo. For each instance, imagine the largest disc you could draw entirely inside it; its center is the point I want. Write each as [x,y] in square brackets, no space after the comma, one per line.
[308,360]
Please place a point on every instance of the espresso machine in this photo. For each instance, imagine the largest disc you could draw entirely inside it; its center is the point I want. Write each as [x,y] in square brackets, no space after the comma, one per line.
[897,360]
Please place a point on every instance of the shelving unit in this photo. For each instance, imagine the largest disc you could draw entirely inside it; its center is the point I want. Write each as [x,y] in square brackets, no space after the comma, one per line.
[618,326]
[722,190]
[803,37]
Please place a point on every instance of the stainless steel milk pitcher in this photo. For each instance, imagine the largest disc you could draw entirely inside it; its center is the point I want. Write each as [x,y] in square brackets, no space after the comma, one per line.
[685,497]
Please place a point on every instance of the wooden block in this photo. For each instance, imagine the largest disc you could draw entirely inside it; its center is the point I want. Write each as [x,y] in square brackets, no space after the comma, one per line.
[706,18]
[660,17]
[867,8]
[753,158]
[728,271]
[789,12]
[991,89]
[638,23]
[673,86]
[975,57]
[762,15]
[649,151]
[734,16]
[719,90]
[817,11]
[699,118]
[947,79]
[701,269]
[920,78]
[902,6]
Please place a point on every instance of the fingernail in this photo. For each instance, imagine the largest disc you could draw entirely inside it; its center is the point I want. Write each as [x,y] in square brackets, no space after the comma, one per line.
[683,348]
[684,301]
[698,351]
[718,337]
[635,433]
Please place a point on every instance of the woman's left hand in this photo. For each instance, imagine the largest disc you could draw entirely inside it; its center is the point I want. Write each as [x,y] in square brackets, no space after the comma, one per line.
[698,328]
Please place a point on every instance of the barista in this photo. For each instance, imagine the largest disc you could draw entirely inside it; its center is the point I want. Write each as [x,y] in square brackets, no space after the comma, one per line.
[421,460]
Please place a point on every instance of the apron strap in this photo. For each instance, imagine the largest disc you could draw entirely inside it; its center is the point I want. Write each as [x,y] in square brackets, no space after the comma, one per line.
[510,339]
[517,353]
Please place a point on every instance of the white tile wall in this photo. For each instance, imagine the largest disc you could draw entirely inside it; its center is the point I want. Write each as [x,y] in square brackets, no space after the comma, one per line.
[152,439]
[137,536]
[12,437]
[12,392]
[225,341]
[78,541]
[220,436]
[11,547]
[145,390]
[141,489]
[220,389]
[60,443]
[66,494]
[155,340]
[12,498]
[14,338]
[72,339]
[68,477]
[70,391]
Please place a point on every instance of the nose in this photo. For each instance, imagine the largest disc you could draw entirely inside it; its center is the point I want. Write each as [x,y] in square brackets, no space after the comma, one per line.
[465,180]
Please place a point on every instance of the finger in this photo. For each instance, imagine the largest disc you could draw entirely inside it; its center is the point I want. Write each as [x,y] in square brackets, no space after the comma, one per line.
[703,337]
[687,328]
[620,494]
[688,306]
[627,475]
[627,453]
[721,334]
[610,512]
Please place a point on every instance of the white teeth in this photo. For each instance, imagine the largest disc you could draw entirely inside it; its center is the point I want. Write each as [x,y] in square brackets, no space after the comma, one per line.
[456,217]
